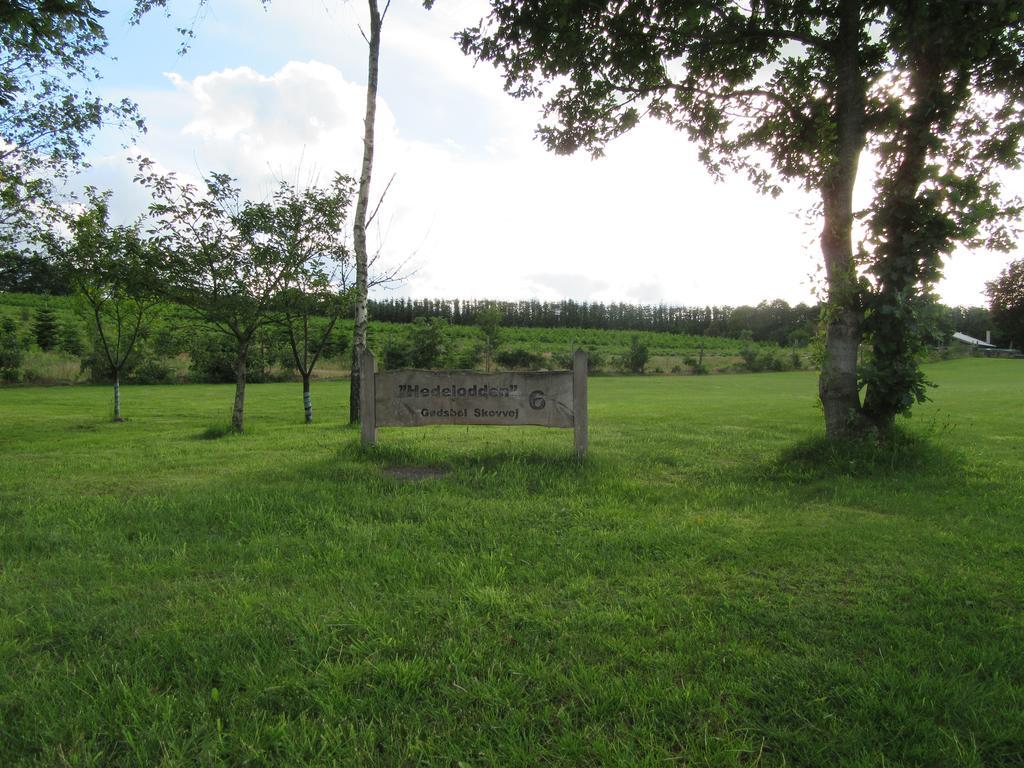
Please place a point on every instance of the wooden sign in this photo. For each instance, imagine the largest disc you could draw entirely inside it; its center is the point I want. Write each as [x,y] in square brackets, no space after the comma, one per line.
[410,398]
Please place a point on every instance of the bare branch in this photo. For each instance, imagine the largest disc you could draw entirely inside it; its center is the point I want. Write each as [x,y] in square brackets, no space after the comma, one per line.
[381,200]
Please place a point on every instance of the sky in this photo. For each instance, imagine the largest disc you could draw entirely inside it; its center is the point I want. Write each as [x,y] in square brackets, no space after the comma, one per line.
[477,208]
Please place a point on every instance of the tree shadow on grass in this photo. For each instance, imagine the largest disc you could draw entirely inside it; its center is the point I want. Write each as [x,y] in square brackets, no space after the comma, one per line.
[215,432]
[527,467]
[898,455]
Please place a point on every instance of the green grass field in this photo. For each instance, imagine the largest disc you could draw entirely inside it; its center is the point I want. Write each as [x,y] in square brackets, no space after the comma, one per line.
[712,587]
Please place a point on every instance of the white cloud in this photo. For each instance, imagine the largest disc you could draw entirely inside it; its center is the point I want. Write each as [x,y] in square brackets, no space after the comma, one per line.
[477,202]
[644,223]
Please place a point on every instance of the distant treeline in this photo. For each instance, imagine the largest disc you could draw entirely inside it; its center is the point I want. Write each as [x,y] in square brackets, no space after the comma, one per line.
[770,321]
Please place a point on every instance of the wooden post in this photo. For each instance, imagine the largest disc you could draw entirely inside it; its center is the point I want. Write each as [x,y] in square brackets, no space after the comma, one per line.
[579,402]
[367,399]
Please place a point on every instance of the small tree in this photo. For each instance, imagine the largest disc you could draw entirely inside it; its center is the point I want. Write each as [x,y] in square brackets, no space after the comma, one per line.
[70,340]
[636,359]
[307,226]
[109,268]
[221,259]
[45,330]
[425,345]
[10,351]
[1006,300]
[428,342]
[309,315]
[488,320]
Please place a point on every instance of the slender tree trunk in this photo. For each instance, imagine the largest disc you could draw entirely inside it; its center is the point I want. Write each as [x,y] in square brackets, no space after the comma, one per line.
[117,395]
[238,412]
[362,206]
[307,398]
[837,384]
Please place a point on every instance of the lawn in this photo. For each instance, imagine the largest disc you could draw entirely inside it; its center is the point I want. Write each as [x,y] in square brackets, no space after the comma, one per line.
[711,587]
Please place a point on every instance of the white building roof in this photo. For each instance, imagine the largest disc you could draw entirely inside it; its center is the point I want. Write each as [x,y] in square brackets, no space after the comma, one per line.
[971,340]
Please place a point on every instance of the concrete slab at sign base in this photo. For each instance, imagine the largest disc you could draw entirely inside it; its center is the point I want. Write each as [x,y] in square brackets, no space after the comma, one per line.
[415,474]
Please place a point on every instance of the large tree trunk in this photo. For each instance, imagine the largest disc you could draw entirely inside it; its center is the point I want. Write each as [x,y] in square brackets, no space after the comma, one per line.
[117,395]
[907,255]
[307,398]
[362,206]
[837,385]
[238,412]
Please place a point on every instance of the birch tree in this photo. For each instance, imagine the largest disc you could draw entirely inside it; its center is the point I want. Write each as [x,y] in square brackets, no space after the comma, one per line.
[359,225]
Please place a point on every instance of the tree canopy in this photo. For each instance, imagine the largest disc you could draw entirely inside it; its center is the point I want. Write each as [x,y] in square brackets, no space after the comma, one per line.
[232,260]
[47,113]
[796,91]
[109,268]
[1006,300]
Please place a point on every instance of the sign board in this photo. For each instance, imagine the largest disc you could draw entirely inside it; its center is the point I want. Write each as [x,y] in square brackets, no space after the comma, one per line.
[410,398]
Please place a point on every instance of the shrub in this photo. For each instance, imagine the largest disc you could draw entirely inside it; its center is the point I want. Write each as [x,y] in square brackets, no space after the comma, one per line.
[170,342]
[519,359]
[95,366]
[70,341]
[755,360]
[469,357]
[141,367]
[636,359]
[425,346]
[336,344]
[428,341]
[11,353]
[44,329]
[153,371]
[595,359]
[696,365]
[751,359]
[488,320]
[396,354]
[213,361]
